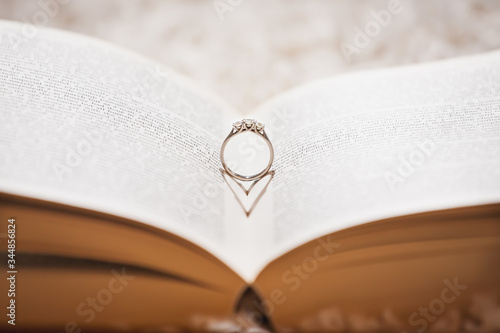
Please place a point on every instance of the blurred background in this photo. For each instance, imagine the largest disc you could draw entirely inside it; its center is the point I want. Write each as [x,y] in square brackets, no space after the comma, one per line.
[247,51]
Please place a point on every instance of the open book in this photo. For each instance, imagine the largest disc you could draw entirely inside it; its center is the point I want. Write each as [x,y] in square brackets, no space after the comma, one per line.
[385,198]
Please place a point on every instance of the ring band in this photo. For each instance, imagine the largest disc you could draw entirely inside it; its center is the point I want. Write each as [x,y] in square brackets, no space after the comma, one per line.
[241,127]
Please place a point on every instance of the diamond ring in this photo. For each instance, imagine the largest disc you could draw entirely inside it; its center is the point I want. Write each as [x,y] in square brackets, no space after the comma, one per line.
[247,126]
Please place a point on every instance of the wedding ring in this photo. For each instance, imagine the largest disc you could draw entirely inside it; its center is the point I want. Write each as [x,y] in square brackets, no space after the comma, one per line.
[246,126]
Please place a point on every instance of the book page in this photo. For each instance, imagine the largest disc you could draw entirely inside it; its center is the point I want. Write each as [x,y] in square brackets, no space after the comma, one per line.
[383,143]
[90,125]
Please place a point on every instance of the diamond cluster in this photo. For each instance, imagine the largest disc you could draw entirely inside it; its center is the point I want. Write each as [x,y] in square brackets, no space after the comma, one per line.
[248,124]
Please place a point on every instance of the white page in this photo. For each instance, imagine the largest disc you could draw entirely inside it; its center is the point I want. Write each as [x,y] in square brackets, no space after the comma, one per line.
[337,141]
[90,125]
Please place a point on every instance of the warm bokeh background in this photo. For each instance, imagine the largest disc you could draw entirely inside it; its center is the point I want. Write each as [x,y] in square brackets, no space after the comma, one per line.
[262,48]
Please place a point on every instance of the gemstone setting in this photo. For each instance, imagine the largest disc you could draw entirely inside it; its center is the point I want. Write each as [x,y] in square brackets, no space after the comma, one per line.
[248,124]
[237,125]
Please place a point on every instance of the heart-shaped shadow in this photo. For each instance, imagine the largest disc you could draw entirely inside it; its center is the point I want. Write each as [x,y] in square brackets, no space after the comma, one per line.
[248,193]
